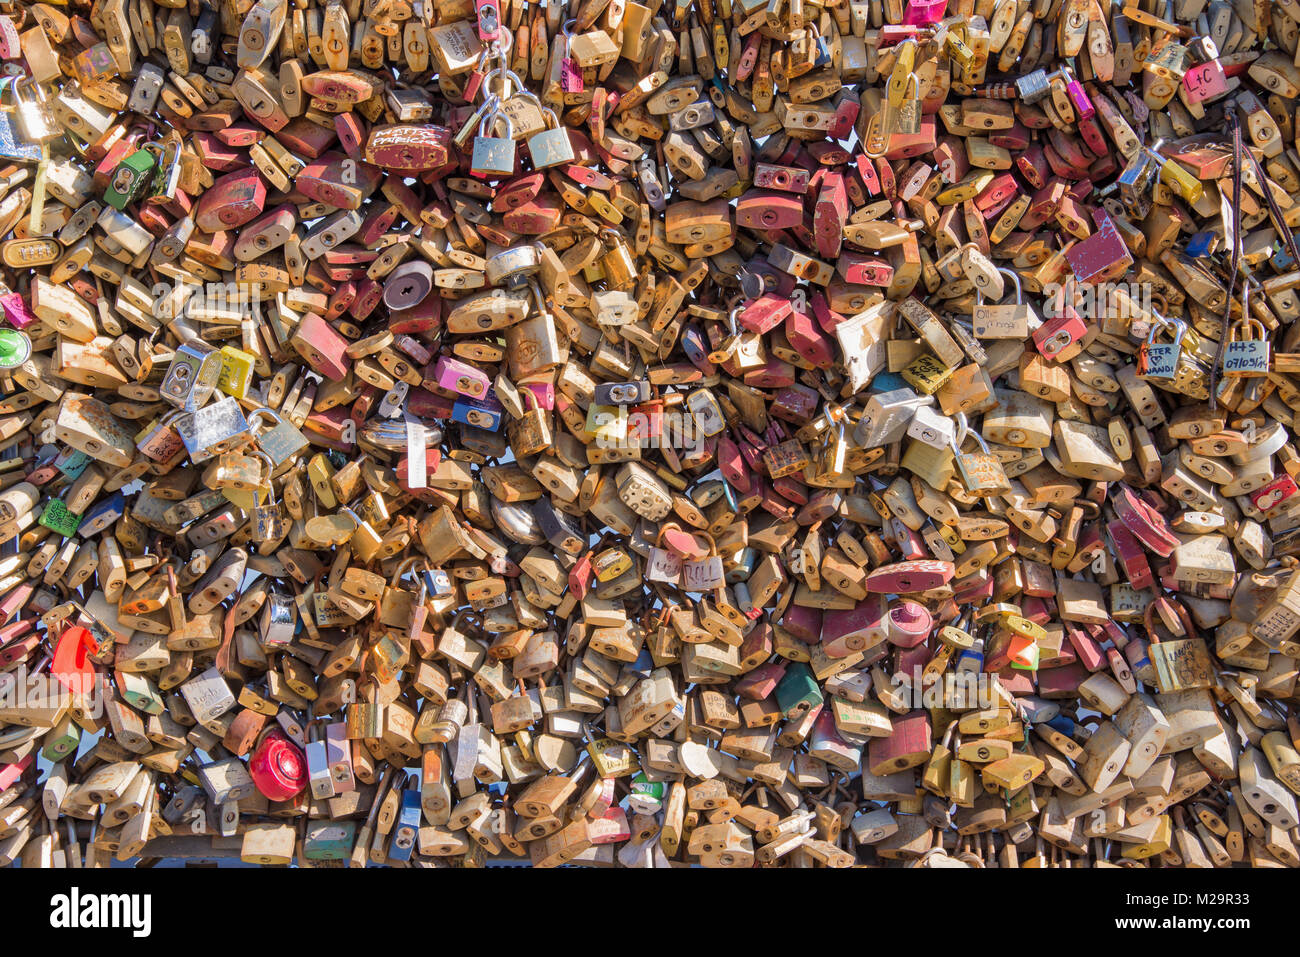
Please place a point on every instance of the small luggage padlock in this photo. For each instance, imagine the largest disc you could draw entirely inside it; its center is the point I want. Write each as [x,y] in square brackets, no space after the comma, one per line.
[531,433]
[268,520]
[213,429]
[1078,98]
[662,564]
[160,441]
[461,378]
[494,156]
[907,118]
[1246,356]
[705,574]
[131,176]
[829,466]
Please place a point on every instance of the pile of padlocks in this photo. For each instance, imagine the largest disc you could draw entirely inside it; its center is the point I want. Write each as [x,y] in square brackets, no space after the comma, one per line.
[739,433]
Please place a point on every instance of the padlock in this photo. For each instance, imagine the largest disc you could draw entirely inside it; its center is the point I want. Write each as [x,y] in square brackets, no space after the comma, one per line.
[494,156]
[1014,321]
[981,472]
[35,118]
[1158,361]
[192,376]
[1246,356]
[550,147]
[132,176]
[213,429]
[531,433]
[705,574]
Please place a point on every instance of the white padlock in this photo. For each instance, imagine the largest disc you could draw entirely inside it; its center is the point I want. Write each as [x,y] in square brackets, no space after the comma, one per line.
[931,428]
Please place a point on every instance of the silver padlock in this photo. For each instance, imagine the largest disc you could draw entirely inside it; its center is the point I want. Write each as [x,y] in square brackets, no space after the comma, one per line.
[213,429]
[1032,87]
[494,155]
[512,267]
[35,118]
[148,87]
[192,376]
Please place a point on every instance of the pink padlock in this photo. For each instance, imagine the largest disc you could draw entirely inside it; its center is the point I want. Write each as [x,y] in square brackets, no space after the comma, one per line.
[761,682]
[461,378]
[543,392]
[791,489]
[864,269]
[773,374]
[16,311]
[1060,338]
[369,294]
[907,746]
[765,313]
[323,180]
[1090,654]
[1205,81]
[768,209]
[904,578]
[907,624]
[732,464]
[922,13]
[278,768]
[846,114]
[910,542]
[351,130]
[1101,257]
[794,403]
[830,214]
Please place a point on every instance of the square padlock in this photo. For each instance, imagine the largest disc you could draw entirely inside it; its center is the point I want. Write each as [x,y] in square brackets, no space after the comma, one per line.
[931,428]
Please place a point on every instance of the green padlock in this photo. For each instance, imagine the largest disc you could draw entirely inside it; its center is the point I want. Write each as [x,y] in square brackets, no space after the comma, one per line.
[131,176]
[61,741]
[797,693]
[56,517]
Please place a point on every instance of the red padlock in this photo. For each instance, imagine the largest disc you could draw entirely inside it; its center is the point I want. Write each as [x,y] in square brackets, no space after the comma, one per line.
[408,146]
[768,209]
[322,346]
[278,767]
[233,200]
[845,631]
[903,578]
